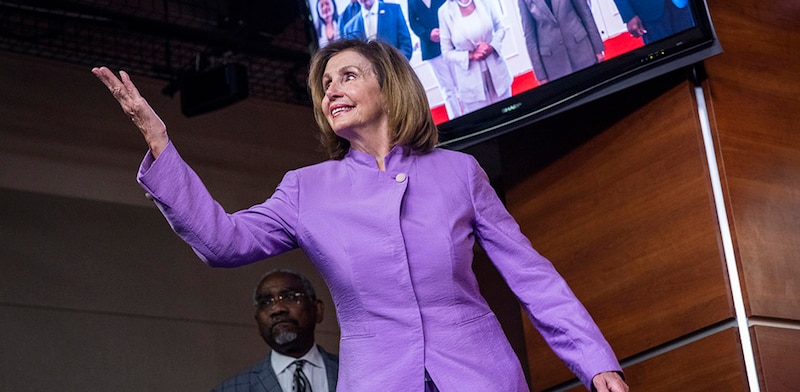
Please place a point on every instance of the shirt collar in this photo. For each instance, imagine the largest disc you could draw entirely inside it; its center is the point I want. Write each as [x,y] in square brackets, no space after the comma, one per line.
[373,10]
[281,362]
[398,158]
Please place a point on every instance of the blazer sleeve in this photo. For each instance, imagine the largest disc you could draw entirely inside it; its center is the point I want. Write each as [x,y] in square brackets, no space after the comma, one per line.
[587,19]
[498,30]
[531,39]
[218,238]
[403,35]
[455,56]
[418,24]
[548,301]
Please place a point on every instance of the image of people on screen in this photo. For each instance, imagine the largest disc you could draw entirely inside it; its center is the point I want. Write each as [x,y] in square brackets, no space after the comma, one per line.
[655,19]
[471,38]
[353,7]
[423,17]
[473,53]
[561,37]
[327,25]
[381,21]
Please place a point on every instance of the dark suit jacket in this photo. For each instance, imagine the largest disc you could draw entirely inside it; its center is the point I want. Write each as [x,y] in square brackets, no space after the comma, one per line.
[347,14]
[261,377]
[661,18]
[392,28]
[647,10]
[422,20]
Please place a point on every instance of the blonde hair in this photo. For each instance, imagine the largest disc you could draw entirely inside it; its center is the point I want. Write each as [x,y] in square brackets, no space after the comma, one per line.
[406,102]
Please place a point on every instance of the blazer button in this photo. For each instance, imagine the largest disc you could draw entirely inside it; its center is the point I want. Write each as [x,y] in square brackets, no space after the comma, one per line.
[400,177]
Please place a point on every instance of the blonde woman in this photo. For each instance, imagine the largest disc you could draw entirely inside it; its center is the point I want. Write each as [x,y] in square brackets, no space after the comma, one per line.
[390,222]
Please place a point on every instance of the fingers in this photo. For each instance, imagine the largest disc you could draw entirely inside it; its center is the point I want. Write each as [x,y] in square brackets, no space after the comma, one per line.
[114,84]
[125,88]
[107,77]
[640,30]
[635,27]
[122,88]
[128,88]
[135,107]
[609,382]
[128,97]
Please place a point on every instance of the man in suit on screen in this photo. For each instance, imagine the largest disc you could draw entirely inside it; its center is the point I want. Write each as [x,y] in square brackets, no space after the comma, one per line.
[382,21]
[655,19]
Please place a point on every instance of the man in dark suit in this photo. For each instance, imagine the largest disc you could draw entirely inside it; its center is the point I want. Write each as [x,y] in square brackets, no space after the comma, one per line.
[352,8]
[287,311]
[382,21]
[655,19]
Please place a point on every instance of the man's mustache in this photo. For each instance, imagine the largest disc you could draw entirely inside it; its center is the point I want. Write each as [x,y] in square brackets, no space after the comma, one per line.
[282,320]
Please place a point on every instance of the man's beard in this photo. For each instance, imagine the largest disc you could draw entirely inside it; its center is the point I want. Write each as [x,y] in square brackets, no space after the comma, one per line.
[285,337]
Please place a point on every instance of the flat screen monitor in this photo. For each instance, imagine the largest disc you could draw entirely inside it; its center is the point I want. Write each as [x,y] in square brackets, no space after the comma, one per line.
[502,64]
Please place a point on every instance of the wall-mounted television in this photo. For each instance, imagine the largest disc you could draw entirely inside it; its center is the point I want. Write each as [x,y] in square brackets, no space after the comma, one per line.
[543,46]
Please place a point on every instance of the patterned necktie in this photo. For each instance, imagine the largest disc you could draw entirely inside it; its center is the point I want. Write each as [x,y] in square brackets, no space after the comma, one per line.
[300,382]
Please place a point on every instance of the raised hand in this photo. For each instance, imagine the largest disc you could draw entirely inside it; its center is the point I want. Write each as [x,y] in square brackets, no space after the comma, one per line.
[136,108]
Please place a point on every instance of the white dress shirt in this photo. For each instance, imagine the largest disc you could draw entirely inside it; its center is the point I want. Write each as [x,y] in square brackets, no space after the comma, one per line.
[314,369]
[370,17]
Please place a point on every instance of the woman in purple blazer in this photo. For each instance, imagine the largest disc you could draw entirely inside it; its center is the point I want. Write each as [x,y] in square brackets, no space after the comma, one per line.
[389,222]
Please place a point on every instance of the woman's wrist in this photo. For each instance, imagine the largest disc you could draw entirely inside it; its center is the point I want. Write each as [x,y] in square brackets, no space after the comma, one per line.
[158,144]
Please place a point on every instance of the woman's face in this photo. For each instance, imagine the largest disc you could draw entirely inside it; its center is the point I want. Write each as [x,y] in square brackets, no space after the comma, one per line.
[325,9]
[353,102]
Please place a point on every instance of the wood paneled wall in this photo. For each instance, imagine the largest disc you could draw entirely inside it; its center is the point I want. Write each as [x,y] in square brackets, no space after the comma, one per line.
[755,96]
[755,92]
[618,195]
[627,218]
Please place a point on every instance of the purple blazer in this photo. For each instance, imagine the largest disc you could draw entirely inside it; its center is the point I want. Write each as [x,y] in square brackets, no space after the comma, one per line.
[395,249]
